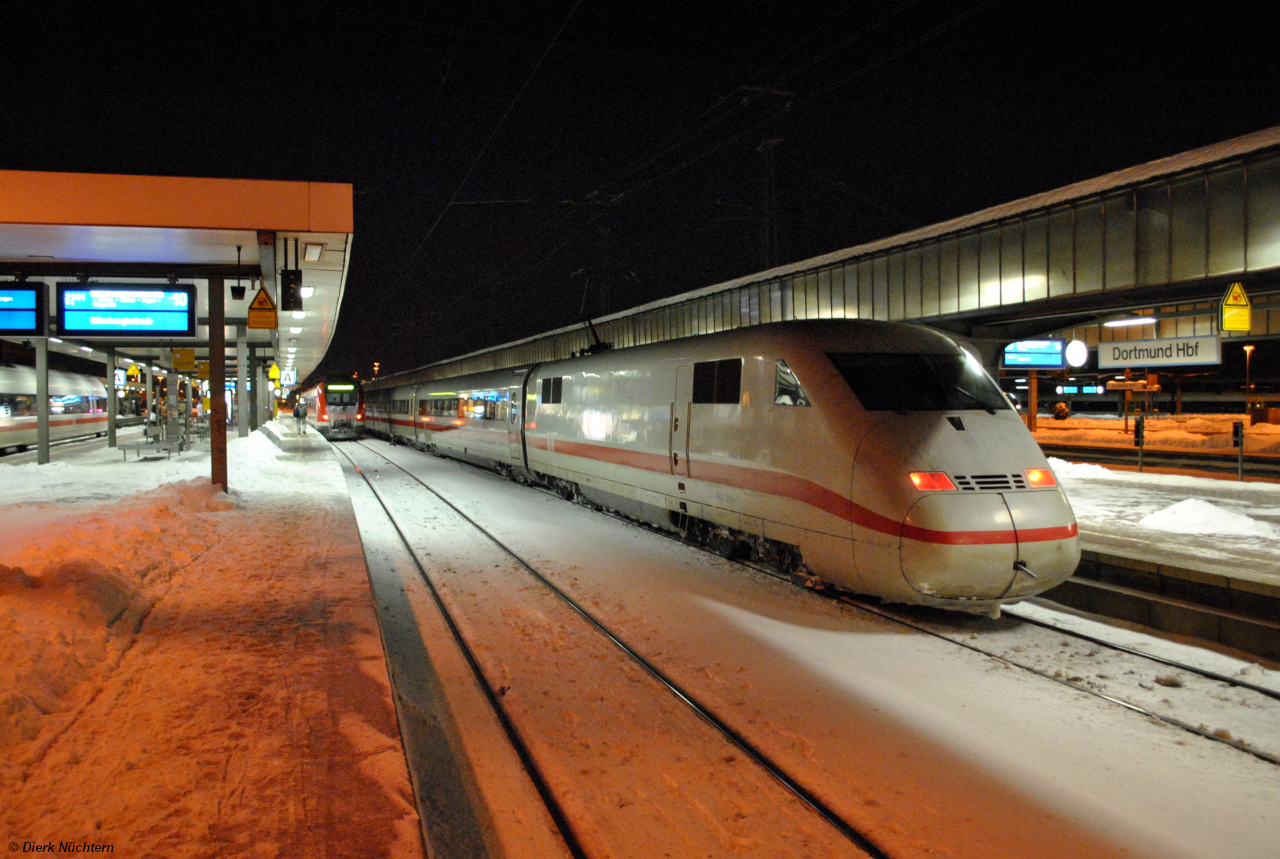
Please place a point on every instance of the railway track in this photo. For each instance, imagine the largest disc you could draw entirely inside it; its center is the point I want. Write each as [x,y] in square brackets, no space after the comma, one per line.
[514,685]
[959,629]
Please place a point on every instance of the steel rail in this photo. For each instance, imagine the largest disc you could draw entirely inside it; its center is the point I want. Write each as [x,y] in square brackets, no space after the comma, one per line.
[759,757]
[513,735]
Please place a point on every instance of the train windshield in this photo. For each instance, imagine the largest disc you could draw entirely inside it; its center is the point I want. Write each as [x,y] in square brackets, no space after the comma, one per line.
[901,382]
[340,395]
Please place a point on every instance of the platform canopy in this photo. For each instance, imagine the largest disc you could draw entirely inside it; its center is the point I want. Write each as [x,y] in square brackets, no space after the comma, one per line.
[68,227]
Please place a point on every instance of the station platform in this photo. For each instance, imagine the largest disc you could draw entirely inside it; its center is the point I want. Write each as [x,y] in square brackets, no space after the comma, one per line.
[1209,572]
[215,659]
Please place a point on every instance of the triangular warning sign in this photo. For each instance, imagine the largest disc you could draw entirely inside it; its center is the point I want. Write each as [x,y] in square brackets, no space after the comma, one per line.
[262,301]
[1236,297]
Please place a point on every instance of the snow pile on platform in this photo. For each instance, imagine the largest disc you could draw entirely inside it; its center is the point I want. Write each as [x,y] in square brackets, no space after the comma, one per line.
[1194,516]
[74,591]
[1077,470]
[188,673]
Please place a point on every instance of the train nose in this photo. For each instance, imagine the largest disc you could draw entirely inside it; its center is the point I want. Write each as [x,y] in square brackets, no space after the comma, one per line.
[988,545]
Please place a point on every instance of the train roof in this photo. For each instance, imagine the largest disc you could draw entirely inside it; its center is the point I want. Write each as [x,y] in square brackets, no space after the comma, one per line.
[22,381]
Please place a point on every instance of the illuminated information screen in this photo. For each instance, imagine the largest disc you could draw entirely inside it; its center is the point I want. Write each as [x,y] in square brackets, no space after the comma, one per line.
[126,310]
[21,310]
[1036,355]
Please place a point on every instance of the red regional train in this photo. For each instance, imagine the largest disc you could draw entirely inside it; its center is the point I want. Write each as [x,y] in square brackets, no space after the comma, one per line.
[878,457]
[335,408]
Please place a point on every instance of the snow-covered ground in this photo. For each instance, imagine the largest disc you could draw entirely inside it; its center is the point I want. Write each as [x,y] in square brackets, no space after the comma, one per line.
[1198,522]
[930,749]
[200,722]
[1198,432]
[189,673]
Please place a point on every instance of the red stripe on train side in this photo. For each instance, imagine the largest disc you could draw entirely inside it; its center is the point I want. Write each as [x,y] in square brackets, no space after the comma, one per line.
[805,491]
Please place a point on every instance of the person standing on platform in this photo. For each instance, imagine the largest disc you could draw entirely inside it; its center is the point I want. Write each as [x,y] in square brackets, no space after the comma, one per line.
[300,416]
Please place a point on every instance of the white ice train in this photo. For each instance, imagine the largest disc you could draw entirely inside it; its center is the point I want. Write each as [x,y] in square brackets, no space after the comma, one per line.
[77,407]
[878,457]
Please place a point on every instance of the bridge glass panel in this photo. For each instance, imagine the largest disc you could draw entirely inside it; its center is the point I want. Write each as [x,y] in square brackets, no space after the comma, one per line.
[880,288]
[1011,263]
[911,283]
[929,305]
[968,272]
[847,276]
[1153,234]
[824,294]
[1035,258]
[811,295]
[837,292]
[949,276]
[1226,221]
[1187,208]
[788,313]
[1120,228]
[1062,272]
[897,285]
[775,301]
[865,290]
[1264,214]
[1089,247]
[989,267]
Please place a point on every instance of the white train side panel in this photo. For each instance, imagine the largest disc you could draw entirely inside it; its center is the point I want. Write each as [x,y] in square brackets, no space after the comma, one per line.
[762,436]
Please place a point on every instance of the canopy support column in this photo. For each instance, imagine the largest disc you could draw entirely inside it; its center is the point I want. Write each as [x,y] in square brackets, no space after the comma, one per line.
[42,400]
[218,382]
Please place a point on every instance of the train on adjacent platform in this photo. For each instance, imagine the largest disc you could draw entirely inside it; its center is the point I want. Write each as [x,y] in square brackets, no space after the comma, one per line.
[77,407]
[878,457]
[335,408]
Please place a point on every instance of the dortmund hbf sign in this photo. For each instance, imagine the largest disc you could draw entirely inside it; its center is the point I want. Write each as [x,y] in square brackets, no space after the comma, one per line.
[1236,311]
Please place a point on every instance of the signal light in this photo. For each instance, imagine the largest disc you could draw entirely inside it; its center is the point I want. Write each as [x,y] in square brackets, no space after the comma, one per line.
[929,481]
[290,290]
[1039,478]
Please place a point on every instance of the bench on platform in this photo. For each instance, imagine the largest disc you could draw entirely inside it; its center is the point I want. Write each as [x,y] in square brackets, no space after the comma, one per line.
[148,446]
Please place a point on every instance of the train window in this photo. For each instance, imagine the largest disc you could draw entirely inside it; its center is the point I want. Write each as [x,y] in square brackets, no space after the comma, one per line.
[424,408]
[786,389]
[552,390]
[344,396]
[717,381]
[901,382]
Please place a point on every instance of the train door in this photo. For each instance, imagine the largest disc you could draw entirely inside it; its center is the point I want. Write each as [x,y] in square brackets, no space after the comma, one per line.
[515,418]
[681,412]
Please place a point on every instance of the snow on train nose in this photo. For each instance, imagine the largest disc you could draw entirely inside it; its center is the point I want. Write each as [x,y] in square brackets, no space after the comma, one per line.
[986,544]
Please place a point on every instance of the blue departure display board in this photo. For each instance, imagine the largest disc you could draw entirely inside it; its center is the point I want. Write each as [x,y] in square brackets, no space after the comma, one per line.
[1036,355]
[127,310]
[22,310]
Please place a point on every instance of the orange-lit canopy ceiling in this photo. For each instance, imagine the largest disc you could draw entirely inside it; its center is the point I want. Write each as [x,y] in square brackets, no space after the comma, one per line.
[66,226]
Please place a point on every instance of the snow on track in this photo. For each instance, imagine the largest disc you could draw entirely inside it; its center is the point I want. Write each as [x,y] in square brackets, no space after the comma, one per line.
[929,749]
[637,773]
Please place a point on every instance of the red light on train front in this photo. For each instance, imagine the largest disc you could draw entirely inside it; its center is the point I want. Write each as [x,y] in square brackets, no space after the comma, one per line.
[1039,478]
[931,481]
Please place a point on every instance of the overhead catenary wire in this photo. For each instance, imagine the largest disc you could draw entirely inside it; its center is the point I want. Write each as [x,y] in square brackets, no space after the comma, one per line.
[492,135]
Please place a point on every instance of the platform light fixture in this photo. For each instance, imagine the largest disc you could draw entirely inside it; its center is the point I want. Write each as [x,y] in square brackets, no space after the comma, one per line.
[311,253]
[1129,320]
[306,291]
[299,314]
[296,329]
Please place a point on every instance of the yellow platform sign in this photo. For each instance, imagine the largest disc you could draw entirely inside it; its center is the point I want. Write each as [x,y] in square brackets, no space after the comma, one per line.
[1236,313]
[262,311]
[184,360]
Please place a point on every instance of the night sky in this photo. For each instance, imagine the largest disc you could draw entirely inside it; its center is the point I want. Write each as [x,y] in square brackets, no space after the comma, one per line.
[600,155]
